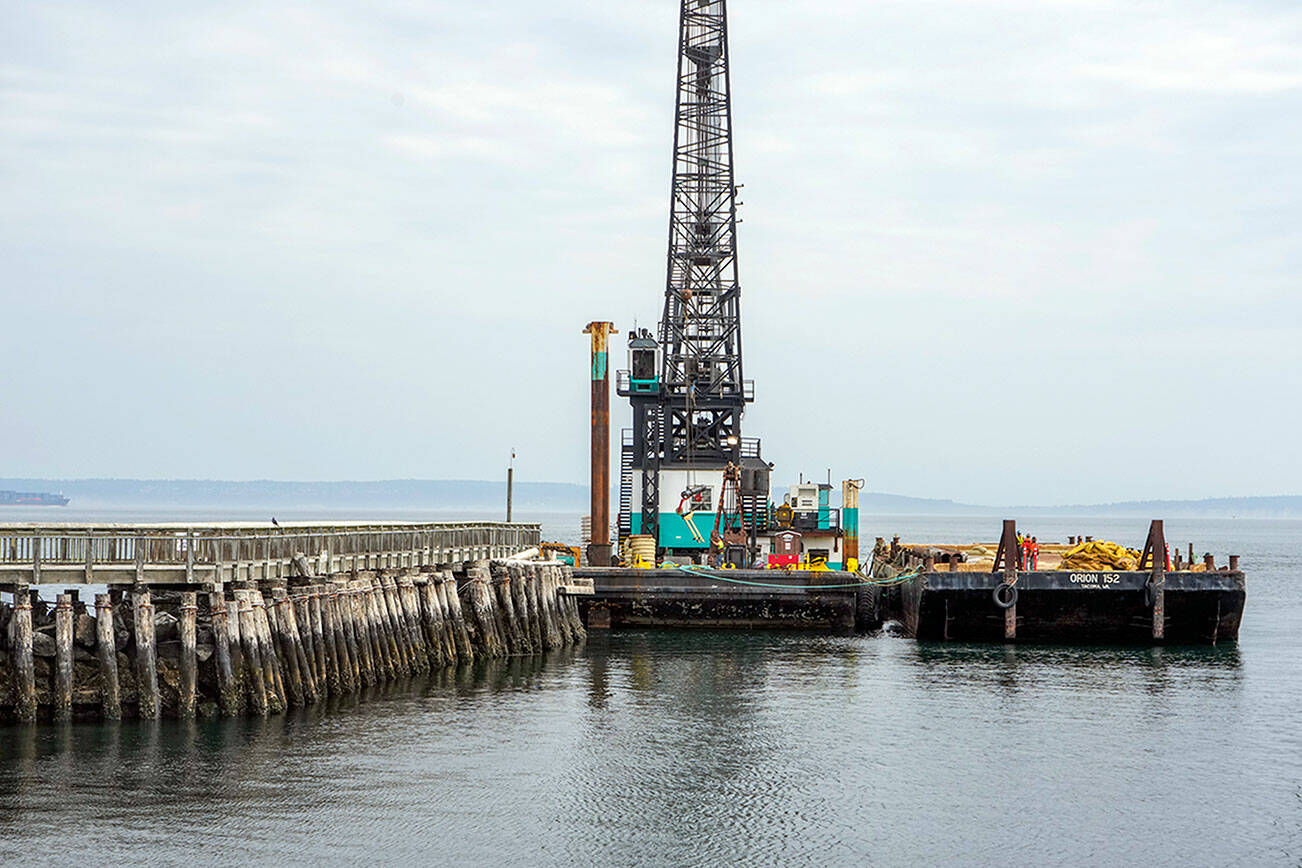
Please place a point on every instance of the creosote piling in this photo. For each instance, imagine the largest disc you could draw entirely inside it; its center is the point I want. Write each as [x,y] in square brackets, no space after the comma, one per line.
[262,647]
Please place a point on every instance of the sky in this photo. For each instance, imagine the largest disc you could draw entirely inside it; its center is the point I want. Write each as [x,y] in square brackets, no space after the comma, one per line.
[1001,251]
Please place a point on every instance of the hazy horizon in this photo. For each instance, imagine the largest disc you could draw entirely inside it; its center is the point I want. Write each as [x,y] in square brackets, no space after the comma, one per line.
[478,495]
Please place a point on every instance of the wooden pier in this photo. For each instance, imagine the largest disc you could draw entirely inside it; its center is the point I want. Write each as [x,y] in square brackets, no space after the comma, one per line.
[238,619]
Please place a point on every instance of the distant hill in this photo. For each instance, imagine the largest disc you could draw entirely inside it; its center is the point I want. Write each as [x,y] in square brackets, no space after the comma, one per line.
[1279,506]
[481,494]
[390,493]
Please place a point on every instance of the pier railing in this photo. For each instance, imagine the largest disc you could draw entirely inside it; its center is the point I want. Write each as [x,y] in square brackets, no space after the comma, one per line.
[213,553]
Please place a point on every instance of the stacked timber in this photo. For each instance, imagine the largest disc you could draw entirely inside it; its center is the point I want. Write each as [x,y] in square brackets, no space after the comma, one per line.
[266,647]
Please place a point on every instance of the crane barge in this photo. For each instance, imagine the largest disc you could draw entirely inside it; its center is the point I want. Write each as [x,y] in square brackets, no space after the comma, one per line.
[696,517]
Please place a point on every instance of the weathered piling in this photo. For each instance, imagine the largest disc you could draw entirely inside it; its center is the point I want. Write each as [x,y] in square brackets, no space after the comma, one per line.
[393,609]
[578,634]
[450,596]
[347,628]
[253,671]
[188,610]
[63,658]
[366,674]
[147,698]
[380,645]
[411,619]
[239,666]
[290,672]
[515,639]
[393,623]
[553,637]
[432,621]
[520,606]
[271,676]
[303,621]
[21,654]
[227,686]
[332,637]
[478,597]
[107,653]
[323,677]
[338,627]
[528,578]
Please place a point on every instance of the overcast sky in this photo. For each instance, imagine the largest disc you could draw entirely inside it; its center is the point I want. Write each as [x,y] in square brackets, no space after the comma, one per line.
[1007,252]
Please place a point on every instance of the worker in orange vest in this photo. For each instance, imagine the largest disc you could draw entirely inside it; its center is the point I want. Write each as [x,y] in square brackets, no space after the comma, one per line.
[1035,553]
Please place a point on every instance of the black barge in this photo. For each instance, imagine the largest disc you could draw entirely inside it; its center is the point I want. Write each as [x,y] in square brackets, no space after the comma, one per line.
[824,600]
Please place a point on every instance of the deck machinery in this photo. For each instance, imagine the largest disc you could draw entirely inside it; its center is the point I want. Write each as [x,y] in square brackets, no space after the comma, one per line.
[687,475]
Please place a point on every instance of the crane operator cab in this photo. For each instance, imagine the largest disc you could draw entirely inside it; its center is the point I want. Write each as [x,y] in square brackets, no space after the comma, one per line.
[643,363]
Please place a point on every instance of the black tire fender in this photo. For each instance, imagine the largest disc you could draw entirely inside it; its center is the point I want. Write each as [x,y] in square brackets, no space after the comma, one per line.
[1005,595]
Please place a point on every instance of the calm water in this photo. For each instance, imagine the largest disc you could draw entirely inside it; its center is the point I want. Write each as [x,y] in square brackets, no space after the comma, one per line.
[719,748]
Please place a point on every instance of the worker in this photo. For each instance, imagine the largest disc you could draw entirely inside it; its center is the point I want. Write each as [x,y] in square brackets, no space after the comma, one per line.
[1021,551]
[1035,553]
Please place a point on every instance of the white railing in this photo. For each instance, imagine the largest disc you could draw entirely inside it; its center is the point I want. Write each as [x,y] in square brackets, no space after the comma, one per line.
[195,553]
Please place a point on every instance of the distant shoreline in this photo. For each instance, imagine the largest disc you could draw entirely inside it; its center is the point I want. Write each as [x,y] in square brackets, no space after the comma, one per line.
[473,494]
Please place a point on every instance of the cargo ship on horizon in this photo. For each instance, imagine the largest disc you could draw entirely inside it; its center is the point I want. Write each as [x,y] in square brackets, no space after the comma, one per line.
[31,498]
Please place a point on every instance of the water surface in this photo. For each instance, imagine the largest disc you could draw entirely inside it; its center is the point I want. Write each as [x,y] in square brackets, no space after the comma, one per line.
[729,748]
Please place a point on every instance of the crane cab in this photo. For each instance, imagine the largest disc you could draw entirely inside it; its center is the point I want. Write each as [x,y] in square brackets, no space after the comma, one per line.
[644,355]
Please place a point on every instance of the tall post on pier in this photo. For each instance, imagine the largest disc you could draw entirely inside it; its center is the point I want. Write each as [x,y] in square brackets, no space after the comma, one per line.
[598,553]
[510,485]
[850,523]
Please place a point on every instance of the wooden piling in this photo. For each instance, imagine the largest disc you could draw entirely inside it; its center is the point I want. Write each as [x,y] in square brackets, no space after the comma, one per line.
[501,584]
[106,651]
[534,615]
[239,667]
[577,630]
[63,657]
[520,606]
[342,664]
[355,629]
[303,620]
[301,651]
[253,671]
[383,641]
[272,679]
[450,648]
[21,653]
[411,616]
[568,634]
[496,578]
[460,632]
[331,637]
[227,686]
[185,704]
[366,674]
[347,641]
[146,659]
[432,622]
[477,595]
[325,683]
[552,637]
[389,596]
[290,671]
[393,600]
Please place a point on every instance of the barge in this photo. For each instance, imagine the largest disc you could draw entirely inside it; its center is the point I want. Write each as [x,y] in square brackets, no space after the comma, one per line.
[826,600]
[1155,604]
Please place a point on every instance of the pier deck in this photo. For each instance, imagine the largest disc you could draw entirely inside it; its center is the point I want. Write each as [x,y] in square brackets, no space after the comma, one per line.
[215,553]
